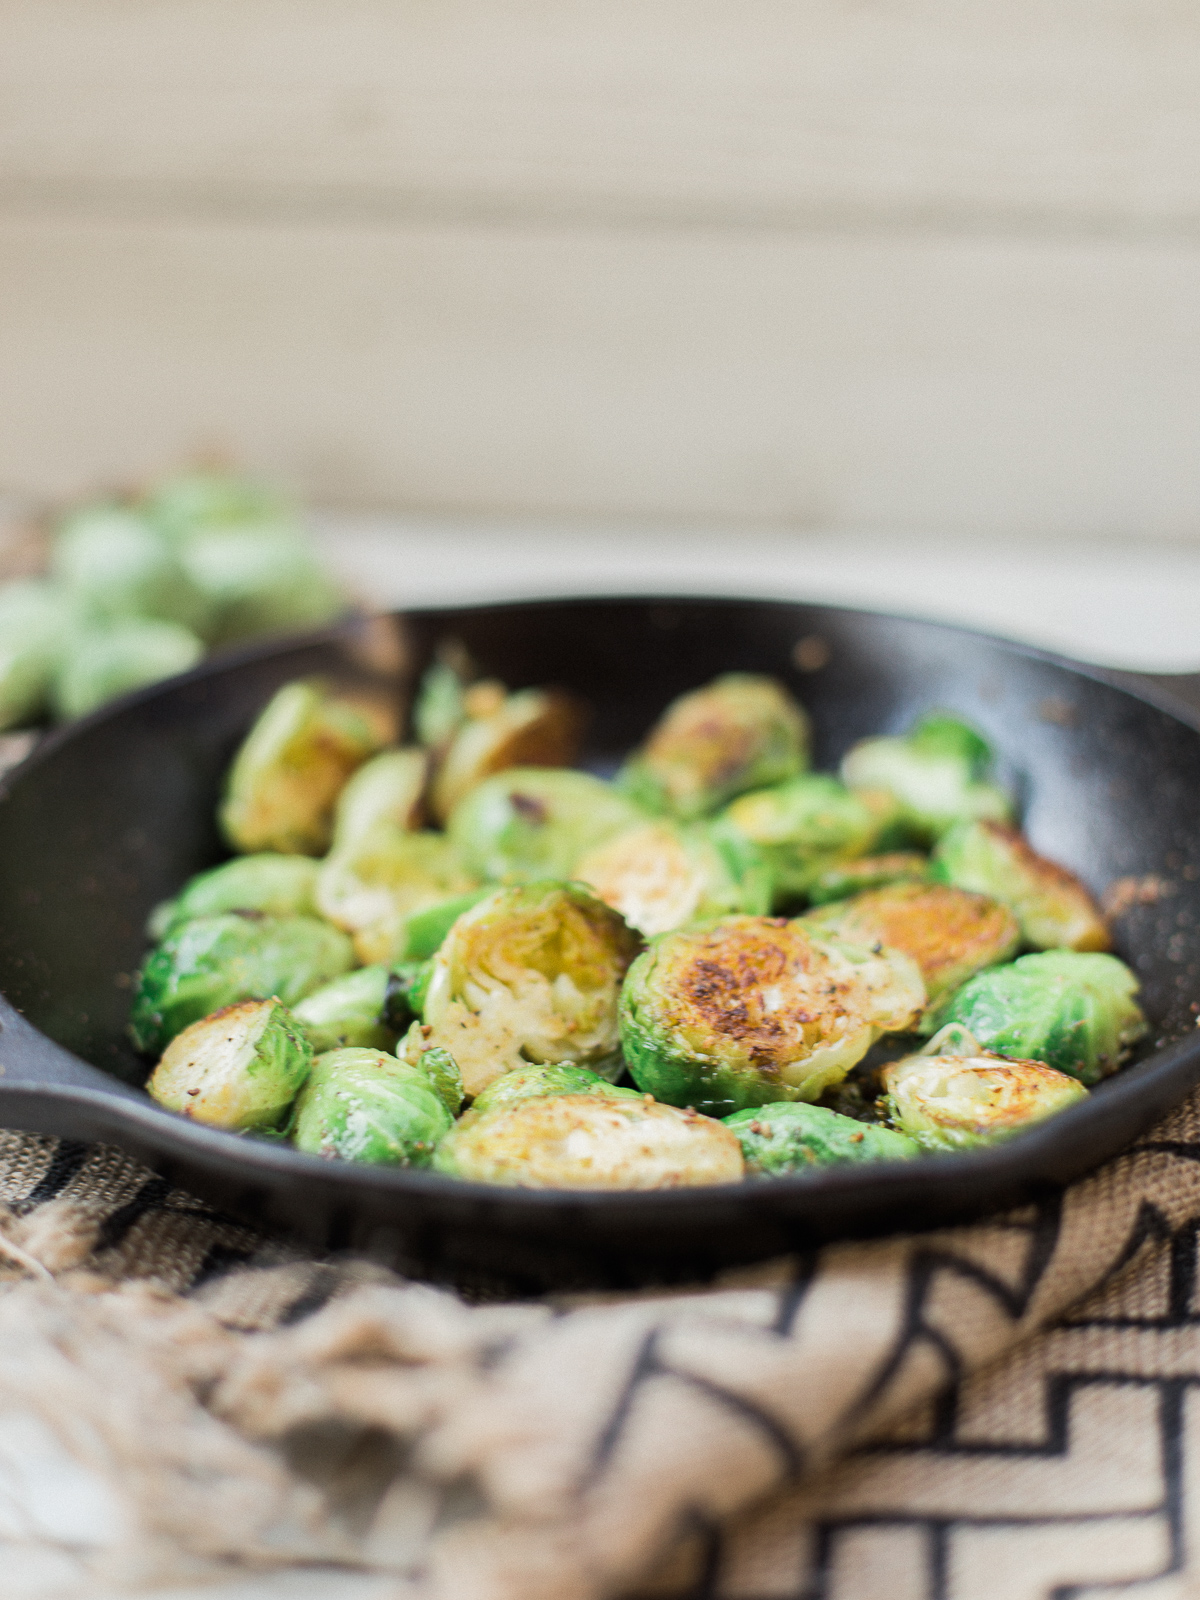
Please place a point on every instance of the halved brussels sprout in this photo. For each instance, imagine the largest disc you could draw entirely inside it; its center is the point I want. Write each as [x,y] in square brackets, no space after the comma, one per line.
[530,974]
[349,1012]
[536,822]
[740,732]
[792,1136]
[282,886]
[957,1102]
[533,728]
[950,933]
[116,566]
[661,875]
[372,888]
[390,788]
[36,624]
[364,1105]
[584,1141]
[292,766]
[260,579]
[936,772]
[213,962]
[750,1010]
[845,878]
[531,1083]
[239,1068]
[803,826]
[1074,1011]
[101,663]
[1053,908]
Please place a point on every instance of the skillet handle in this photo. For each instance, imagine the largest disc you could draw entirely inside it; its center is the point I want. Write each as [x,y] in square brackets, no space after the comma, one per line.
[29,1060]
[1183,688]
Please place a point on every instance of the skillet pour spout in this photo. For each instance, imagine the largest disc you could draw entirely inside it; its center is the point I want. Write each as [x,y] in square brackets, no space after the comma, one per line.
[110,815]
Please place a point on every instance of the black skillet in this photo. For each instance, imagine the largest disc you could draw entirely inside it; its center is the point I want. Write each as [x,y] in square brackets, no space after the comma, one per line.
[111,815]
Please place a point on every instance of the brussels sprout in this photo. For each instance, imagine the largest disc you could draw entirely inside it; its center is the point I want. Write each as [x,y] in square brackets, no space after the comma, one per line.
[845,878]
[660,875]
[534,728]
[282,886]
[531,1083]
[260,580]
[536,822]
[1074,1011]
[440,706]
[212,962]
[739,732]
[116,566]
[239,1068]
[936,772]
[1051,905]
[530,974]
[348,1012]
[956,1102]
[420,935]
[189,502]
[803,826]
[101,663]
[584,1141]
[388,788]
[292,766]
[792,1136]
[948,932]
[36,623]
[373,888]
[436,1062]
[364,1105]
[751,1010]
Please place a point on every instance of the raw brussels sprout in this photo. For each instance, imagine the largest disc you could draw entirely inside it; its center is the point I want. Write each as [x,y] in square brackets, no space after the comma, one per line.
[101,663]
[1051,905]
[530,974]
[584,1141]
[189,502]
[956,1102]
[534,728]
[436,1062]
[792,1136]
[388,788]
[259,580]
[661,875]
[1075,1011]
[751,1010]
[536,822]
[803,826]
[282,886]
[116,566]
[373,888]
[936,772]
[740,732]
[349,1012]
[239,1068]
[292,766]
[530,1083]
[36,623]
[364,1105]
[869,872]
[212,962]
[948,932]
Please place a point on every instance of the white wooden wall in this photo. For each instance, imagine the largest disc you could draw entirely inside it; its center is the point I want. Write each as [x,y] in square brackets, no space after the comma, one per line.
[928,264]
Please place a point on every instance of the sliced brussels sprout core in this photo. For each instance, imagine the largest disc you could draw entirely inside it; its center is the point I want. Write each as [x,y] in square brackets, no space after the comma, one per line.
[936,772]
[349,1012]
[533,728]
[950,933]
[536,822]
[239,1068]
[529,975]
[212,962]
[388,788]
[373,888]
[740,732]
[954,1102]
[296,759]
[1073,1010]
[662,875]
[750,1010]
[115,565]
[804,826]
[281,886]
[1054,909]
[36,624]
[584,1141]
[792,1136]
[102,662]
[530,1083]
[364,1105]
[845,878]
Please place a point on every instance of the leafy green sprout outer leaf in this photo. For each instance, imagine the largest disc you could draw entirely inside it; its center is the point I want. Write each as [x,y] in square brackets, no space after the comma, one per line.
[349,1012]
[103,661]
[440,706]
[364,1105]
[239,1068]
[422,933]
[802,827]
[436,1062]
[531,823]
[212,962]
[936,772]
[281,886]
[561,1077]
[793,1136]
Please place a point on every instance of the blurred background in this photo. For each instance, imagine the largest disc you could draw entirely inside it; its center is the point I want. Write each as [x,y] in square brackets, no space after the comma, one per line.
[891,301]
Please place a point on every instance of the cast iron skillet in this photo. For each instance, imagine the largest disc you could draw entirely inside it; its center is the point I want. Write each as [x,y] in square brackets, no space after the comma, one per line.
[111,815]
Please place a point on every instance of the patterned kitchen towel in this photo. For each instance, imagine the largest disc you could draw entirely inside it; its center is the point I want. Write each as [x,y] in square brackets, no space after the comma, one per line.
[1005,1410]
